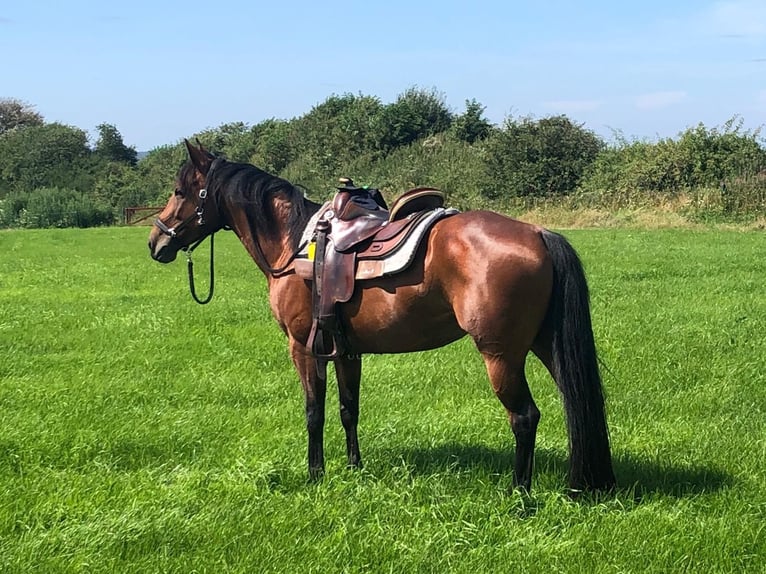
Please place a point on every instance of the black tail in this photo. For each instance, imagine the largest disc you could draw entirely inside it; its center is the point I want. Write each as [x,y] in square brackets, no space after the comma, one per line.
[575,369]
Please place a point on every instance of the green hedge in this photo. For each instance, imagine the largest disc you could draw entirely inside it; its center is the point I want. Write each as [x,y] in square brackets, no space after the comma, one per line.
[54,207]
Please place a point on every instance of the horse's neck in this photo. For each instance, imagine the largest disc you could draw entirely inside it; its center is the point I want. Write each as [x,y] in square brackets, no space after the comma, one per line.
[268,251]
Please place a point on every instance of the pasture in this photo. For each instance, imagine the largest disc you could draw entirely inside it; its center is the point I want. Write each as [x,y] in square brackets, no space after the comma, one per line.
[140,432]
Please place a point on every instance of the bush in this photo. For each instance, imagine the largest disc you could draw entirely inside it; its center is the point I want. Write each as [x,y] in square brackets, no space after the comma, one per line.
[538,157]
[11,209]
[700,158]
[54,207]
[443,162]
[334,132]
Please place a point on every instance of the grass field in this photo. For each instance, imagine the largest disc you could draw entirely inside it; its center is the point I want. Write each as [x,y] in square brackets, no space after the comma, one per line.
[140,432]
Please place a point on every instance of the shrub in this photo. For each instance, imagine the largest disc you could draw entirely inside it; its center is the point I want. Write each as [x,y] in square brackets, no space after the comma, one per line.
[698,158]
[54,207]
[542,157]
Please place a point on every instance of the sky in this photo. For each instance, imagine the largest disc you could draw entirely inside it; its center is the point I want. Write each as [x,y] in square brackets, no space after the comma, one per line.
[161,71]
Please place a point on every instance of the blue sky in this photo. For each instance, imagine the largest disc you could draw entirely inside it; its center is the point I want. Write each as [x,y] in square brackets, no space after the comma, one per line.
[161,71]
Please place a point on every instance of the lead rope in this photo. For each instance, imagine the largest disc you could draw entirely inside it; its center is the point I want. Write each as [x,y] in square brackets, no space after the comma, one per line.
[190,265]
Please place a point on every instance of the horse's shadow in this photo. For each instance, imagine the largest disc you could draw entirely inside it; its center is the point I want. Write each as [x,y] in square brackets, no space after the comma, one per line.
[637,476]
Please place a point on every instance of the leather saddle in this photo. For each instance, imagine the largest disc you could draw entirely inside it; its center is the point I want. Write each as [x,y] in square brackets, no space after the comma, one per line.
[357,237]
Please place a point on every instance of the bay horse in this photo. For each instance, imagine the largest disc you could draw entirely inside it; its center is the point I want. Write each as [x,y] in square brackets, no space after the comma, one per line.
[511,286]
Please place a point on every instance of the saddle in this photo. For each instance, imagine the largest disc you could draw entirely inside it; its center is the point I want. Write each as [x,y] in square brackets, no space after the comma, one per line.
[357,237]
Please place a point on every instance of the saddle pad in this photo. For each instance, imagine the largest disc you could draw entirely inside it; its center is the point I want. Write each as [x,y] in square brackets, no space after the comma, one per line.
[400,259]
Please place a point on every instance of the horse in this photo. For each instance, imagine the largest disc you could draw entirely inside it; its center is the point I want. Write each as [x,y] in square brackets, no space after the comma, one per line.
[513,287]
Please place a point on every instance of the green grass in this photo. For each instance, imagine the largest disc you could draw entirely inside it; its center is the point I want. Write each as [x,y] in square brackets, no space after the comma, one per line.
[140,432]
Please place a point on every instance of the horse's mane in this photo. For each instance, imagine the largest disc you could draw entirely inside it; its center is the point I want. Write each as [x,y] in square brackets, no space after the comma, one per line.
[253,189]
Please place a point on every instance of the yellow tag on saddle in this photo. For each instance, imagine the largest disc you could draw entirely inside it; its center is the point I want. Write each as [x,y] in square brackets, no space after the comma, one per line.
[311,250]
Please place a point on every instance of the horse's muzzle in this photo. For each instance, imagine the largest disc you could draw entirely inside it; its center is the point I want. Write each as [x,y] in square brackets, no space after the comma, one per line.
[161,250]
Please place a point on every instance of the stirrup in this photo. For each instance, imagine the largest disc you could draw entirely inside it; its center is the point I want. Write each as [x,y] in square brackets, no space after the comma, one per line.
[317,339]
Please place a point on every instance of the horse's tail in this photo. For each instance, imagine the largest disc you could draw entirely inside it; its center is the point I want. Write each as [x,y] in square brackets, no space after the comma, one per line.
[575,369]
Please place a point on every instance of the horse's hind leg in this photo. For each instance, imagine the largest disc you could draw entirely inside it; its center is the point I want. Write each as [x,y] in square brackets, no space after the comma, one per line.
[510,385]
[349,372]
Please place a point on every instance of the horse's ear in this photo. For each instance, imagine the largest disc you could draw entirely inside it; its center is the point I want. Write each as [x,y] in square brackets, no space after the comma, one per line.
[200,157]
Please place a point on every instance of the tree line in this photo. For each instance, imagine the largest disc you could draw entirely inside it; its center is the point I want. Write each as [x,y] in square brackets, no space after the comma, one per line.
[51,175]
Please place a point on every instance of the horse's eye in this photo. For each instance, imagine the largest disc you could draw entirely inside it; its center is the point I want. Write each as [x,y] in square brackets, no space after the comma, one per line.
[178,193]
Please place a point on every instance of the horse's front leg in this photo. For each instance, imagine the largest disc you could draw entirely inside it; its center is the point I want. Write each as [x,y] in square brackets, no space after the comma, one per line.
[314,381]
[349,372]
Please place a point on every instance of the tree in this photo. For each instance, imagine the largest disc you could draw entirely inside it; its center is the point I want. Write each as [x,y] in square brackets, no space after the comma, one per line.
[235,140]
[157,171]
[416,114]
[48,155]
[275,148]
[471,126]
[338,130]
[110,146]
[119,186]
[17,114]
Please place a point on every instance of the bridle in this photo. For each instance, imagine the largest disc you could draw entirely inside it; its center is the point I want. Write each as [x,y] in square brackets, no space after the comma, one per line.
[198,214]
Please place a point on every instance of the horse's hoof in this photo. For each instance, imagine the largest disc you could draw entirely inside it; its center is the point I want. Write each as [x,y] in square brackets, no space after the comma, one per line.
[316,474]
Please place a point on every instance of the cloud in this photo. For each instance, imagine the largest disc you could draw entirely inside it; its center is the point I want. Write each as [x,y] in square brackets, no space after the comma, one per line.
[659,100]
[735,19]
[573,106]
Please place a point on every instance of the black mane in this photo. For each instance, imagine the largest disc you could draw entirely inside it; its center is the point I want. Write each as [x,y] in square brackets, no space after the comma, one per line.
[253,189]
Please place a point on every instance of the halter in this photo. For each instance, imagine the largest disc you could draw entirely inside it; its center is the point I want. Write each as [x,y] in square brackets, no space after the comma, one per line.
[172,232]
[198,214]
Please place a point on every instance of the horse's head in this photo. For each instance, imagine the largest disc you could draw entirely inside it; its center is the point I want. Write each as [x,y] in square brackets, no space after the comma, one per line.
[191,214]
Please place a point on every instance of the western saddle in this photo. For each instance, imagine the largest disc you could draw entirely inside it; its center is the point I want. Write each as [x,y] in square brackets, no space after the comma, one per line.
[357,237]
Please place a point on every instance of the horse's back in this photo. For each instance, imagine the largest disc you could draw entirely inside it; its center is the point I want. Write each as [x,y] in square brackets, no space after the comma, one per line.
[479,273]
[489,235]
